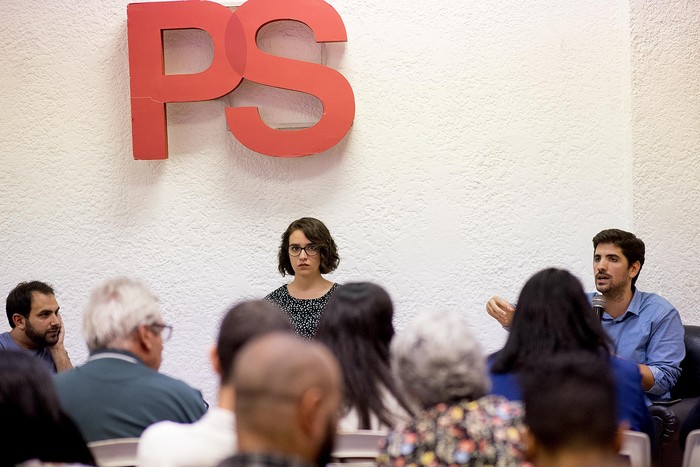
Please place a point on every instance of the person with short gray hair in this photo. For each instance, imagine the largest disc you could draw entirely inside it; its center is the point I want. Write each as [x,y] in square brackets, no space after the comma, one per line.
[442,369]
[119,391]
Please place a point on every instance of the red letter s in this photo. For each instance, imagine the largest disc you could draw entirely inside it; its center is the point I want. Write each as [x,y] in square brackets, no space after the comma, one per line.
[328,85]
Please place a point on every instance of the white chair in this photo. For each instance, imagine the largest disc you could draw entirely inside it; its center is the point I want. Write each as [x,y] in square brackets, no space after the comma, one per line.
[115,452]
[359,447]
[637,447]
[691,456]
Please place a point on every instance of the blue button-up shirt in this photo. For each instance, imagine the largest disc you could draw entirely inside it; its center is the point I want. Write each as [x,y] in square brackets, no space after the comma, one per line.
[651,333]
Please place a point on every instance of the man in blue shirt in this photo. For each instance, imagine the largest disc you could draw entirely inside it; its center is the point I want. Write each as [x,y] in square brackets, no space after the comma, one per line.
[645,328]
[37,326]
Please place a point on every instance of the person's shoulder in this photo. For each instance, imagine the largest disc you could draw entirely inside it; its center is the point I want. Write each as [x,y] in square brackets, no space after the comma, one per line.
[170,383]
[5,341]
[649,300]
[162,433]
[499,406]
[278,293]
[328,294]
[65,377]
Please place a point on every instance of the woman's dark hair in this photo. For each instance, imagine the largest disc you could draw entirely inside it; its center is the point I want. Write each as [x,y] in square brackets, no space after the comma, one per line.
[553,315]
[357,327]
[36,428]
[318,234]
[570,402]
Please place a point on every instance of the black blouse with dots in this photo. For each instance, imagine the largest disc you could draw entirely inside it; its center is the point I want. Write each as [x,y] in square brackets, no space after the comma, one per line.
[304,314]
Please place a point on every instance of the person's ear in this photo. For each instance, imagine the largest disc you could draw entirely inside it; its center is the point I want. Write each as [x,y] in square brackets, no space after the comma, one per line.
[214,359]
[309,412]
[19,320]
[530,445]
[144,337]
[634,269]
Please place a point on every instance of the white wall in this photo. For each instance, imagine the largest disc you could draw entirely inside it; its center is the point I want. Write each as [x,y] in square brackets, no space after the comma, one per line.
[490,140]
[666,147]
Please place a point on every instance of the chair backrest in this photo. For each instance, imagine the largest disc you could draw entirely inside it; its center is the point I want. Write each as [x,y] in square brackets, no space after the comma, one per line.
[361,446]
[688,385]
[637,447]
[115,452]
[691,456]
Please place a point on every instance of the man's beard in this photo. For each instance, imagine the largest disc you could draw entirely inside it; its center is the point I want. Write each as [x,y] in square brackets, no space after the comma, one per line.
[614,289]
[39,339]
[326,449]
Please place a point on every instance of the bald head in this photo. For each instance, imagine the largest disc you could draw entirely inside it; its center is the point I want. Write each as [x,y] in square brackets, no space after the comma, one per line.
[288,394]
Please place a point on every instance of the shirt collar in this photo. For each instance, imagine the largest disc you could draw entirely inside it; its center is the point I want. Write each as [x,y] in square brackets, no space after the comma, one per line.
[632,308]
[636,302]
[115,354]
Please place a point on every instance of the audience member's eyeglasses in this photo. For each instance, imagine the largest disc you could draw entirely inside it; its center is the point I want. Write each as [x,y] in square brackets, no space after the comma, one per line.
[310,249]
[165,330]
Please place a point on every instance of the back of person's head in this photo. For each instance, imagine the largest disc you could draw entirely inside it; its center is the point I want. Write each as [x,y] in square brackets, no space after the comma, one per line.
[570,405]
[242,323]
[115,309]
[288,394]
[437,359]
[553,315]
[19,300]
[357,327]
[632,247]
[26,389]
[35,426]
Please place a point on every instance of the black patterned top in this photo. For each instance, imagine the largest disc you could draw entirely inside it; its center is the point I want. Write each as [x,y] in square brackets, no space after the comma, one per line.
[304,314]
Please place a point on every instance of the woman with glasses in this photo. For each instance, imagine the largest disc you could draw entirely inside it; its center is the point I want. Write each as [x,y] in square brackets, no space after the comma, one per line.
[307,251]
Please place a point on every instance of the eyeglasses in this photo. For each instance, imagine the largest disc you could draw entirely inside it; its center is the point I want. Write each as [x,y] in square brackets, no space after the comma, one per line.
[165,330]
[310,249]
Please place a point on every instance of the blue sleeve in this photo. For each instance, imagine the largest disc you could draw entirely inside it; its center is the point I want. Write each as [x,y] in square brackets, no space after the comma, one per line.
[665,351]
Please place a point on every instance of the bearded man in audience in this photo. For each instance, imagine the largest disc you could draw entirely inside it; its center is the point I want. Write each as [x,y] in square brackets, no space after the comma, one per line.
[37,326]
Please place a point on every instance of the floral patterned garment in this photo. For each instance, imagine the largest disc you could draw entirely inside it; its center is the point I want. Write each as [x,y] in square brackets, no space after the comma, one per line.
[480,433]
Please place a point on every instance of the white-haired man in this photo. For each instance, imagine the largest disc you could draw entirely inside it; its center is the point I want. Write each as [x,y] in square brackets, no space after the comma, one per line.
[119,392]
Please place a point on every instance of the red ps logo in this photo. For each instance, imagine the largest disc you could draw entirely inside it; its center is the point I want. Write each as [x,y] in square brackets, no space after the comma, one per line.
[236,56]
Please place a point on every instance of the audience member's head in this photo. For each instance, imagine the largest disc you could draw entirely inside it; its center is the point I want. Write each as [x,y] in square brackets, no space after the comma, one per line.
[34,296]
[19,300]
[288,394]
[242,323]
[357,327]
[123,313]
[35,426]
[553,315]
[437,359]
[570,409]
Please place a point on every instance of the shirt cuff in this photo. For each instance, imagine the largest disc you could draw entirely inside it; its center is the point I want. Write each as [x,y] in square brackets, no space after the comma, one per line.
[657,389]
